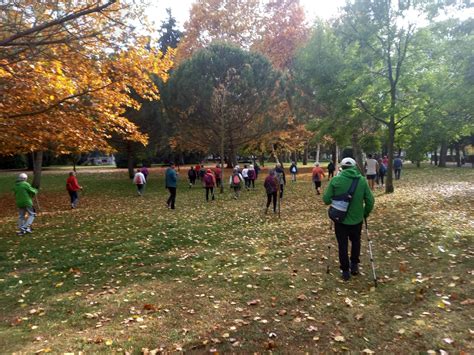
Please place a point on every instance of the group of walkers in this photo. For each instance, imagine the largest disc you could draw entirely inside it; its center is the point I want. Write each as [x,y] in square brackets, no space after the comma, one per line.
[376,169]
[347,186]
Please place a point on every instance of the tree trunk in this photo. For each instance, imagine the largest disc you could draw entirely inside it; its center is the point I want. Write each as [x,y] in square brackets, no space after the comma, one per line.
[435,157]
[418,164]
[130,161]
[37,164]
[336,157]
[357,152]
[443,153]
[262,160]
[458,155]
[390,147]
[295,156]
[318,152]
[305,155]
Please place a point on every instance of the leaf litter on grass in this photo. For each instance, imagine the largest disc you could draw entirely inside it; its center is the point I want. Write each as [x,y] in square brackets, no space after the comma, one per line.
[221,276]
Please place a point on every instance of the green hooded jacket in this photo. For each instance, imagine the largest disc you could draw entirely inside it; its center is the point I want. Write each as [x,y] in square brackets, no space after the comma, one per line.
[362,202]
[23,193]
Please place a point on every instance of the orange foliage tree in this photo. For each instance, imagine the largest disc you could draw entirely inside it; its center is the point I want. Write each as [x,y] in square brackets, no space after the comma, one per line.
[65,76]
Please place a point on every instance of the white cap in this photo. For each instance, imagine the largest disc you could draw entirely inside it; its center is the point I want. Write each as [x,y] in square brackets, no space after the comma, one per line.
[22,177]
[348,162]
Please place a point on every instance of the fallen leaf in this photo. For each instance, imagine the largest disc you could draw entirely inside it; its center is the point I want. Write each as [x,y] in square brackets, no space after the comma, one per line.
[339,338]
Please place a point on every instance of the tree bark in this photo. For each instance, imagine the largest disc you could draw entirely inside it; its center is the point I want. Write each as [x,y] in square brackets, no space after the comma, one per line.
[305,155]
[37,164]
[357,152]
[390,148]
[318,152]
[130,160]
[443,153]
[458,155]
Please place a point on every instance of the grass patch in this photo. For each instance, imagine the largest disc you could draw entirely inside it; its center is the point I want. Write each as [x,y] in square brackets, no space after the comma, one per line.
[122,273]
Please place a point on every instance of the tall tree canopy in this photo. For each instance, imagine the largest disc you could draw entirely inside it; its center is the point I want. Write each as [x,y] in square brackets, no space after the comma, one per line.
[223,94]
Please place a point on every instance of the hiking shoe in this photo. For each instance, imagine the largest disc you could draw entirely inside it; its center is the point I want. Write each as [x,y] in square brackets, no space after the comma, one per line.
[346,275]
[354,269]
[20,232]
[27,230]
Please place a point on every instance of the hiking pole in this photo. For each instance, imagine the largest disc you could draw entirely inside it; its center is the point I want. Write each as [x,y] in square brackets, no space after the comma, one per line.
[370,252]
[279,199]
[329,249]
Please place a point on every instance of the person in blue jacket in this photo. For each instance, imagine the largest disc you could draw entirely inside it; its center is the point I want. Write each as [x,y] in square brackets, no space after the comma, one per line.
[171,185]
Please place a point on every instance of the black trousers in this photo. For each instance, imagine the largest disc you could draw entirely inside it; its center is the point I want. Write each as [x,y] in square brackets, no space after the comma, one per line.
[270,197]
[344,233]
[172,198]
[281,190]
[211,190]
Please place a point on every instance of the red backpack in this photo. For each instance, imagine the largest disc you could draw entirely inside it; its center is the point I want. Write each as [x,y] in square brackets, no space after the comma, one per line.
[236,179]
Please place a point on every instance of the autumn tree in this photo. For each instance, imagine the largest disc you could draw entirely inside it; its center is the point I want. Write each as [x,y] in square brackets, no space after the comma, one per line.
[65,73]
[221,98]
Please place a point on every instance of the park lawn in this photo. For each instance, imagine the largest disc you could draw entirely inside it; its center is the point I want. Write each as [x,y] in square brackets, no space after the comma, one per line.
[124,273]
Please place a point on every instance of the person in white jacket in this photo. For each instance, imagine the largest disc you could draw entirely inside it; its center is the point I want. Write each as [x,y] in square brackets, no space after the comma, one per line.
[140,181]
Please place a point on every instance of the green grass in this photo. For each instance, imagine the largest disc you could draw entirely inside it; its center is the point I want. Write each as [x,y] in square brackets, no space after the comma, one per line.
[122,273]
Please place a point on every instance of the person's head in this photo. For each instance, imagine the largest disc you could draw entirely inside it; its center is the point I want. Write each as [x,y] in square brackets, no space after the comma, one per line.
[172,165]
[192,168]
[385,157]
[218,166]
[250,166]
[316,164]
[236,169]
[202,166]
[278,165]
[72,173]
[209,171]
[369,156]
[348,163]
[22,177]
[293,163]
[271,172]
[139,170]
[245,166]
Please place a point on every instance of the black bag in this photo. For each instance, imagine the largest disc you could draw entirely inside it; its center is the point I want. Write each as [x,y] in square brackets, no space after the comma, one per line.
[340,204]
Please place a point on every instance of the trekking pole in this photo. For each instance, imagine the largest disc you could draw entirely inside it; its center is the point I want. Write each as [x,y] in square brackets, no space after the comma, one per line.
[329,249]
[370,252]
[37,203]
[279,199]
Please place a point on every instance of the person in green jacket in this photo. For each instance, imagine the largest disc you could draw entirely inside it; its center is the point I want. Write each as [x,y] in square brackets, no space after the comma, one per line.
[360,207]
[171,184]
[23,194]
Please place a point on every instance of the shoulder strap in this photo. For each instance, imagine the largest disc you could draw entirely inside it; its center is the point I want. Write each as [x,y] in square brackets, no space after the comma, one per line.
[353,186]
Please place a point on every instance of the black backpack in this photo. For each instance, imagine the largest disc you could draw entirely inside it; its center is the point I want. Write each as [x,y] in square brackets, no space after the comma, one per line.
[340,203]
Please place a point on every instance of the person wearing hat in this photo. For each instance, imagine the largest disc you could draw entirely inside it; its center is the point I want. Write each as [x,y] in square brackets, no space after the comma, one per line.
[23,193]
[359,208]
[209,182]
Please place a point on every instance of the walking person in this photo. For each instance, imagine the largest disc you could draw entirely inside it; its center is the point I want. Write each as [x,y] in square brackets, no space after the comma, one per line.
[218,175]
[202,172]
[360,206]
[209,182]
[331,169]
[192,176]
[140,181]
[24,192]
[235,181]
[245,175]
[382,172]
[280,174]
[271,188]
[397,167]
[293,171]
[252,175]
[145,172]
[257,170]
[72,187]
[171,183]
[372,166]
[317,175]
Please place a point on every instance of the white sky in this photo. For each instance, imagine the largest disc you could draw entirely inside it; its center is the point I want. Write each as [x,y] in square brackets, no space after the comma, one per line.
[324,9]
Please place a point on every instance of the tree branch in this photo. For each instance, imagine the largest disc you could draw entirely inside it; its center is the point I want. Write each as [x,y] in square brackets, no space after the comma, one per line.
[370,113]
[39,28]
[56,104]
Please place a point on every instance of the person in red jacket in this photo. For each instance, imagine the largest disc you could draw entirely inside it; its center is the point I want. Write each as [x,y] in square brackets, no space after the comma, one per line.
[72,187]
[209,182]
[271,188]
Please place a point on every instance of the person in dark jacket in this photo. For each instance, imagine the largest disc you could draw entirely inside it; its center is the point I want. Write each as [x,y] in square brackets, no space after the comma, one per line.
[192,176]
[171,184]
[360,207]
[271,188]
[331,169]
[293,171]
[280,174]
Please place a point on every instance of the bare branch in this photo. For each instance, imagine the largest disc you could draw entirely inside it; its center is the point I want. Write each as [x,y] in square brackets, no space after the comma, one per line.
[370,113]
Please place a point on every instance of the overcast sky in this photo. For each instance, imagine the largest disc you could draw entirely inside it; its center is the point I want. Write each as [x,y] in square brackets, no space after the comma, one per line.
[180,9]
